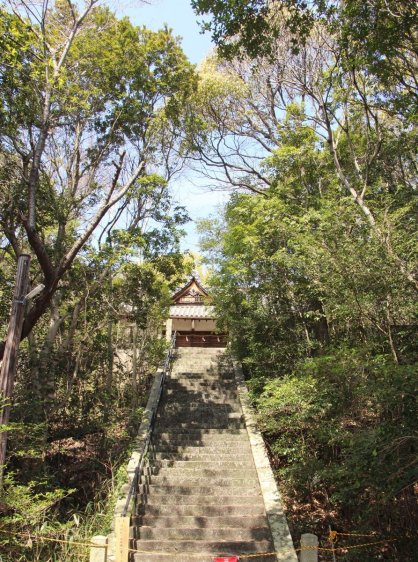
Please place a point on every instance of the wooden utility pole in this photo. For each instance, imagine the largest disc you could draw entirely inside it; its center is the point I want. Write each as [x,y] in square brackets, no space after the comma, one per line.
[9,364]
[135,365]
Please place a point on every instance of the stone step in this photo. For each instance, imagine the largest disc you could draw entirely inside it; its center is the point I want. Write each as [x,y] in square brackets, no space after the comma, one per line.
[176,497]
[185,427]
[201,407]
[200,357]
[211,465]
[195,557]
[215,547]
[201,454]
[198,380]
[200,522]
[197,435]
[202,383]
[222,402]
[193,418]
[204,439]
[176,480]
[200,390]
[190,367]
[206,534]
[201,351]
[250,510]
[229,410]
[187,472]
[203,411]
[209,490]
[219,357]
[193,381]
[183,416]
[203,414]
[226,458]
[210,364]
[216,404]
[195,373]
[189,352]
[197,422]
[206,431]
[188,404]
[238,448]
[204,362]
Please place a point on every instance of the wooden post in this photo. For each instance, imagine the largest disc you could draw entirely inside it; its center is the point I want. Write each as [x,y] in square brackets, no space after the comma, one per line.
[9,364]
[122,525]
[98,549]
[334,558]
[310,542]
[135,365]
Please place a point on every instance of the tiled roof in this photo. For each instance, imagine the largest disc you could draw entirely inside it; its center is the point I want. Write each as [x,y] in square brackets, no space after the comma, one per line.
[193,311]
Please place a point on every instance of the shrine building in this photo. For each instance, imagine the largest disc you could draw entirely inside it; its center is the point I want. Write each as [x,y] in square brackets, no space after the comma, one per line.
[192,318]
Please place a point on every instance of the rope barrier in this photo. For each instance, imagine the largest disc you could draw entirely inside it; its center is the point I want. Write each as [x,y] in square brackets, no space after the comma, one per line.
[332,538]
[355,534]
[47,538]
[261,554]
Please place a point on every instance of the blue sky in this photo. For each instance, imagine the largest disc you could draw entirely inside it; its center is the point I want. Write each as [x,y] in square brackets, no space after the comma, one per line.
[188,189]
[178,15]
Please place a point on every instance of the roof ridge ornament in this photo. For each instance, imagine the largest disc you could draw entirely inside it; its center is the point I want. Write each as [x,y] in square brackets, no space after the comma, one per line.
[193,289]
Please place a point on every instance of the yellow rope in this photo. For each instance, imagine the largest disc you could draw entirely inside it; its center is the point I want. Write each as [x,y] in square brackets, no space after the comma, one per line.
[364,544]
[332,537]
[355,534]
[28,536]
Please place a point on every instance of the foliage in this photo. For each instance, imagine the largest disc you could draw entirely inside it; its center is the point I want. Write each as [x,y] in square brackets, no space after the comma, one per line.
[342,432]
[30,509]
[87,103]
[88,156]
[323,322]
[379,35]
[34,531]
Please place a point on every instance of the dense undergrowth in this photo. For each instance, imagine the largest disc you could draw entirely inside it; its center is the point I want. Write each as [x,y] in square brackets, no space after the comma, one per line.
[63,477]
[341,435]
[76,410]
[335,397]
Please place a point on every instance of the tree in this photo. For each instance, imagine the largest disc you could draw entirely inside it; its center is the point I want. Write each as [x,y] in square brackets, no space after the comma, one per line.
[323,325]
[84,98]
[314,269]
[337,104]
[379,35]
[96,88]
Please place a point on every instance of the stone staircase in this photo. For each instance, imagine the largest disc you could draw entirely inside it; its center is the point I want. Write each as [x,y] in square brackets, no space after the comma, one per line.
[202,497]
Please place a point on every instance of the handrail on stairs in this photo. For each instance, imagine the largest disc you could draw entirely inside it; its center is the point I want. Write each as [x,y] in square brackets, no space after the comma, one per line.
[139,468]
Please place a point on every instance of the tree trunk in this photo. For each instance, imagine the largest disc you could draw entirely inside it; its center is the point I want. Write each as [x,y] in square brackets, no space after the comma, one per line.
[9,364]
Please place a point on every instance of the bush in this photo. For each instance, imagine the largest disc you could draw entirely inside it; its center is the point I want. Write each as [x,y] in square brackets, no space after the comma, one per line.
[344,426]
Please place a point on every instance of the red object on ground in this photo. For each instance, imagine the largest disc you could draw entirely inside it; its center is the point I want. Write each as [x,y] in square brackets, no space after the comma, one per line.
[226,559]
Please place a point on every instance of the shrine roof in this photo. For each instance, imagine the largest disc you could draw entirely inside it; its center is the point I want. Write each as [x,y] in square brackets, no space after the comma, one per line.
[194,284]
[191,311]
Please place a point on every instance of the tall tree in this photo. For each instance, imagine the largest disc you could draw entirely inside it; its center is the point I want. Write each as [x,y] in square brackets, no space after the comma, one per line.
[242,102]
[81,101]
